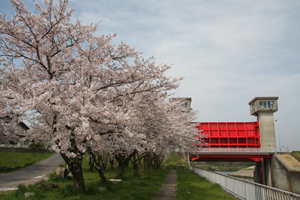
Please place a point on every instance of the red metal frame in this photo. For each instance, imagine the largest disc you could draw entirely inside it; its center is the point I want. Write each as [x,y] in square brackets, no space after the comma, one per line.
[229,158]
[230,134]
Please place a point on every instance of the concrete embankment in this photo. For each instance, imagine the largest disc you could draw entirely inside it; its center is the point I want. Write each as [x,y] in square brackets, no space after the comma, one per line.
[247,173]
[286,172]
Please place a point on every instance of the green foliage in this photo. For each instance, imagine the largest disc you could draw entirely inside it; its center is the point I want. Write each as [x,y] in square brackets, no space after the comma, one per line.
[192,186]
[144,186]
[57,179]
[20,192]
[38,145]
[296,155]
[175,161]
[13,161]
[222,166]
[63,165]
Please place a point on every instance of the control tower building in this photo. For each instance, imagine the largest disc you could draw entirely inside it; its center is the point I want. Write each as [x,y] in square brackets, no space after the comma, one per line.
[263,108]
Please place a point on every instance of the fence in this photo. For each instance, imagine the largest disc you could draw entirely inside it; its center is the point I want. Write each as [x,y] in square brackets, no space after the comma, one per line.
[244,189]
[263,150]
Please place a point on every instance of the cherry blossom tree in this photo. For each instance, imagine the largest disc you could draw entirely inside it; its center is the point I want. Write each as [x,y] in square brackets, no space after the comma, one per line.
[11,134]
[168,130]
[83,90]
[159,126]
[4,138]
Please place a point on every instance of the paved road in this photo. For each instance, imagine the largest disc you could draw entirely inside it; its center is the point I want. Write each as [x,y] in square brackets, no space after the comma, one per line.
[38,169]
[169,188]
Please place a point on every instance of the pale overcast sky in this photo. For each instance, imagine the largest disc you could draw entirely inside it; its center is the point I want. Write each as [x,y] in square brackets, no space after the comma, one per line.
[229,51]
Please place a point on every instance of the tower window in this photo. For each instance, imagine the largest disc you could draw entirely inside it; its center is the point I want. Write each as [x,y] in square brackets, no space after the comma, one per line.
[266,104]
[271,104]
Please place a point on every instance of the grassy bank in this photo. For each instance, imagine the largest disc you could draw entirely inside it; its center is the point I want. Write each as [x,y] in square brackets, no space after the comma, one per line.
[144,186]
[193,186]
[222,166]
[12,161]
[296,154]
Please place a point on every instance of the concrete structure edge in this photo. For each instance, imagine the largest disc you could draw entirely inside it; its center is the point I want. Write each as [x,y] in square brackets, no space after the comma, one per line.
[291,169]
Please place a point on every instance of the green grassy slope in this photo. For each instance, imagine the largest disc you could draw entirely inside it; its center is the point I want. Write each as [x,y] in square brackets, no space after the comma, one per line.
[13,161]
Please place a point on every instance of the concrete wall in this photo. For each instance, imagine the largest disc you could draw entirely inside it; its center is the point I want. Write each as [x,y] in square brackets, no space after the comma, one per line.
[267,171]
[280,178]
[266,130]
[284,177]
[295,180]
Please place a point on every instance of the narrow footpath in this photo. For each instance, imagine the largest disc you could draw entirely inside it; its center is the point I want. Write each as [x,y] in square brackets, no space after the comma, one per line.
[169,188]
[31,174]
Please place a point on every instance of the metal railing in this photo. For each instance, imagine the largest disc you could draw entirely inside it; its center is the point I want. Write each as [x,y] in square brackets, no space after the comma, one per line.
[244,189]
[237,149]
[272,149]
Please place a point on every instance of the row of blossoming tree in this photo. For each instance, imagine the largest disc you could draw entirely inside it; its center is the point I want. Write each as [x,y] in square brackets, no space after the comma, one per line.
[85,94]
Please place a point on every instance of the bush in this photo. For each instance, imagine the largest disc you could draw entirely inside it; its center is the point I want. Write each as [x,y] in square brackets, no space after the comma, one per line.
[296,154]
[38,145]
[175,161]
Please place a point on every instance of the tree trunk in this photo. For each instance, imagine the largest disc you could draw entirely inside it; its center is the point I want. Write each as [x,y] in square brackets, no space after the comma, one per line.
[135,169]
[91,163]
[76,170]
[98,167]
[111,162]
[101,174]
[135,163]
[145,162]
[103,160]
[121,161]
[148,162]
[126,163]
[78,178]
[122,169]
[158,164]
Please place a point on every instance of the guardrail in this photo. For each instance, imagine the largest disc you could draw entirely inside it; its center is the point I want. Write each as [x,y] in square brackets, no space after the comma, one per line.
[244,189]
[236,150]
[272,149]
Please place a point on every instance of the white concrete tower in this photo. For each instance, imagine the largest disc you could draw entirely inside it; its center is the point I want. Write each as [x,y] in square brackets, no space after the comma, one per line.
[263,108]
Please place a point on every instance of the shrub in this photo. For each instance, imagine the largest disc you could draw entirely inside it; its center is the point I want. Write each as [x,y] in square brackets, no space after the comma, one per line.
[38,145]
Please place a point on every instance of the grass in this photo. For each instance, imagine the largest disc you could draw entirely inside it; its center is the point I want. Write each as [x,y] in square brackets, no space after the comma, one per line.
[296,155]
[222,166]
[13,161]
[218,168]
[193,186]
[145,186]
[175,161]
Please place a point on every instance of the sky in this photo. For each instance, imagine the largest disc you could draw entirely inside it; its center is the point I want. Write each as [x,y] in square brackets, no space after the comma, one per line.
[229,51]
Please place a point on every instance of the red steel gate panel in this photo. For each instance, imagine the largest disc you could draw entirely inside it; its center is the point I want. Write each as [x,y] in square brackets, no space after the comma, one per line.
[230,134]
